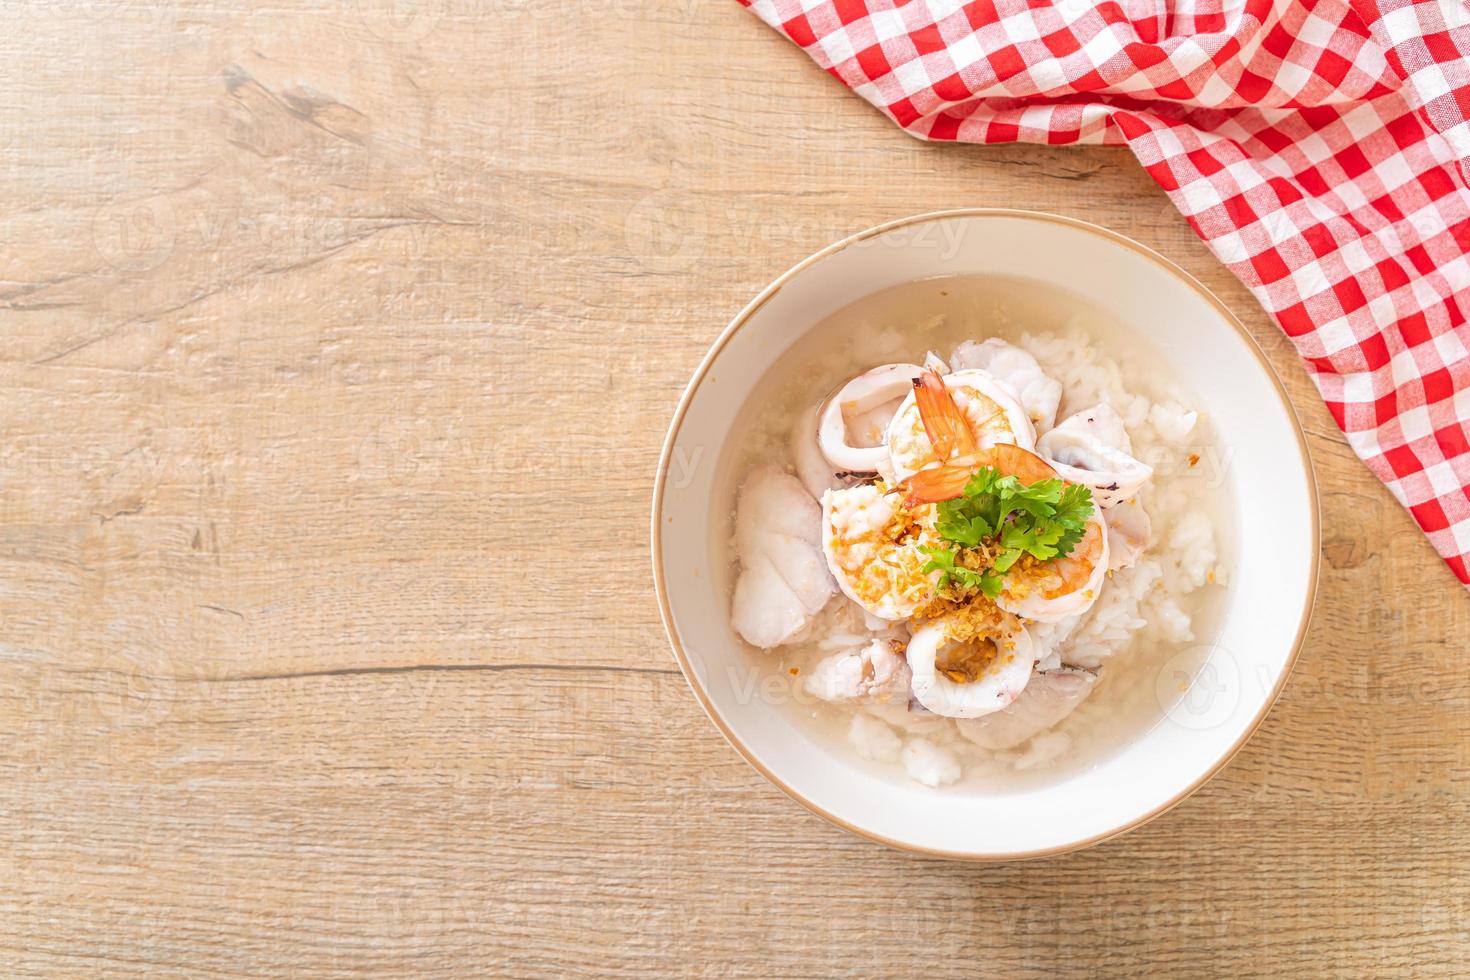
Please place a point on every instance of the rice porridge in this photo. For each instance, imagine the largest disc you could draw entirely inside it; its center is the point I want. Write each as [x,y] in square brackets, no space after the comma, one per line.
[974,533]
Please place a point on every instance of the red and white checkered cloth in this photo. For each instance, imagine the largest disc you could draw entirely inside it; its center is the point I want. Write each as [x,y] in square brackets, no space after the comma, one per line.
[1317,148]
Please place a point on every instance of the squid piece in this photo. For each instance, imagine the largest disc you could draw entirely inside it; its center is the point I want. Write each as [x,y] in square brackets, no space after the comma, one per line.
[862,404]
[971,679]
[812,468]
[1092,448]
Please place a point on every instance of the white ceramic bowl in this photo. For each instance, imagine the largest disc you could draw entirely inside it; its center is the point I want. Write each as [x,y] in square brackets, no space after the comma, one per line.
[1275,530]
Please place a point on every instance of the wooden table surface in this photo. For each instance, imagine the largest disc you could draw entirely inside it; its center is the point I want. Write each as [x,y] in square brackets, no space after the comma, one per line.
[337,353]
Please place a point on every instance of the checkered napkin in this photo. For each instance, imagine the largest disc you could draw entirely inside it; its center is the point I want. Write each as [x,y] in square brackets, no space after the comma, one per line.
[1318,149]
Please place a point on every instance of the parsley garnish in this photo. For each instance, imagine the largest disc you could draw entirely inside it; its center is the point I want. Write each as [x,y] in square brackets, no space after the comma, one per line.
[1045,520]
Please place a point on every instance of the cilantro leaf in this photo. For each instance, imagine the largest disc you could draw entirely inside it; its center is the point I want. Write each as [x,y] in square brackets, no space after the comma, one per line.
[944,561]
[991,583]
[963,525]
[1006,559]
[1044,520]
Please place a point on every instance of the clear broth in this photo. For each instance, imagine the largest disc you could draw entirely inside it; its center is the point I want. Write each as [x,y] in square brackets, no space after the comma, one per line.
[1139,683]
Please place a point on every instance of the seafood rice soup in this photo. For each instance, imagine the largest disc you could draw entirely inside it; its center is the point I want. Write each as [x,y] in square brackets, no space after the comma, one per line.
[973,533]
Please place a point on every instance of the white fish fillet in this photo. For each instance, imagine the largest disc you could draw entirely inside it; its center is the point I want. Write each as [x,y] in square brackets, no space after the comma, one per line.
[1051,696]
[871,672]
[783,580]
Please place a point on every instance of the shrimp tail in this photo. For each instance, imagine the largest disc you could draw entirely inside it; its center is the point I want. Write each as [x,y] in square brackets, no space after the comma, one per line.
[947,480]
[945,425]
[939,483]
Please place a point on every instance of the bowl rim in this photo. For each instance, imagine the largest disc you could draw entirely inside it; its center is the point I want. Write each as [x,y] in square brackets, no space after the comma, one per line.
[750,309]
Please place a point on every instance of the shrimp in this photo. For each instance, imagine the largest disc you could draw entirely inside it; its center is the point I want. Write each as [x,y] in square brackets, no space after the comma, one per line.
[863,400]
[872,543]
[1066,586]
[970,678]
[944,423]
[966,410]
[1044,591]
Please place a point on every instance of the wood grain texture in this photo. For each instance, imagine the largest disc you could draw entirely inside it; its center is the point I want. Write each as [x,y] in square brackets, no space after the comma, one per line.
[336,349]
